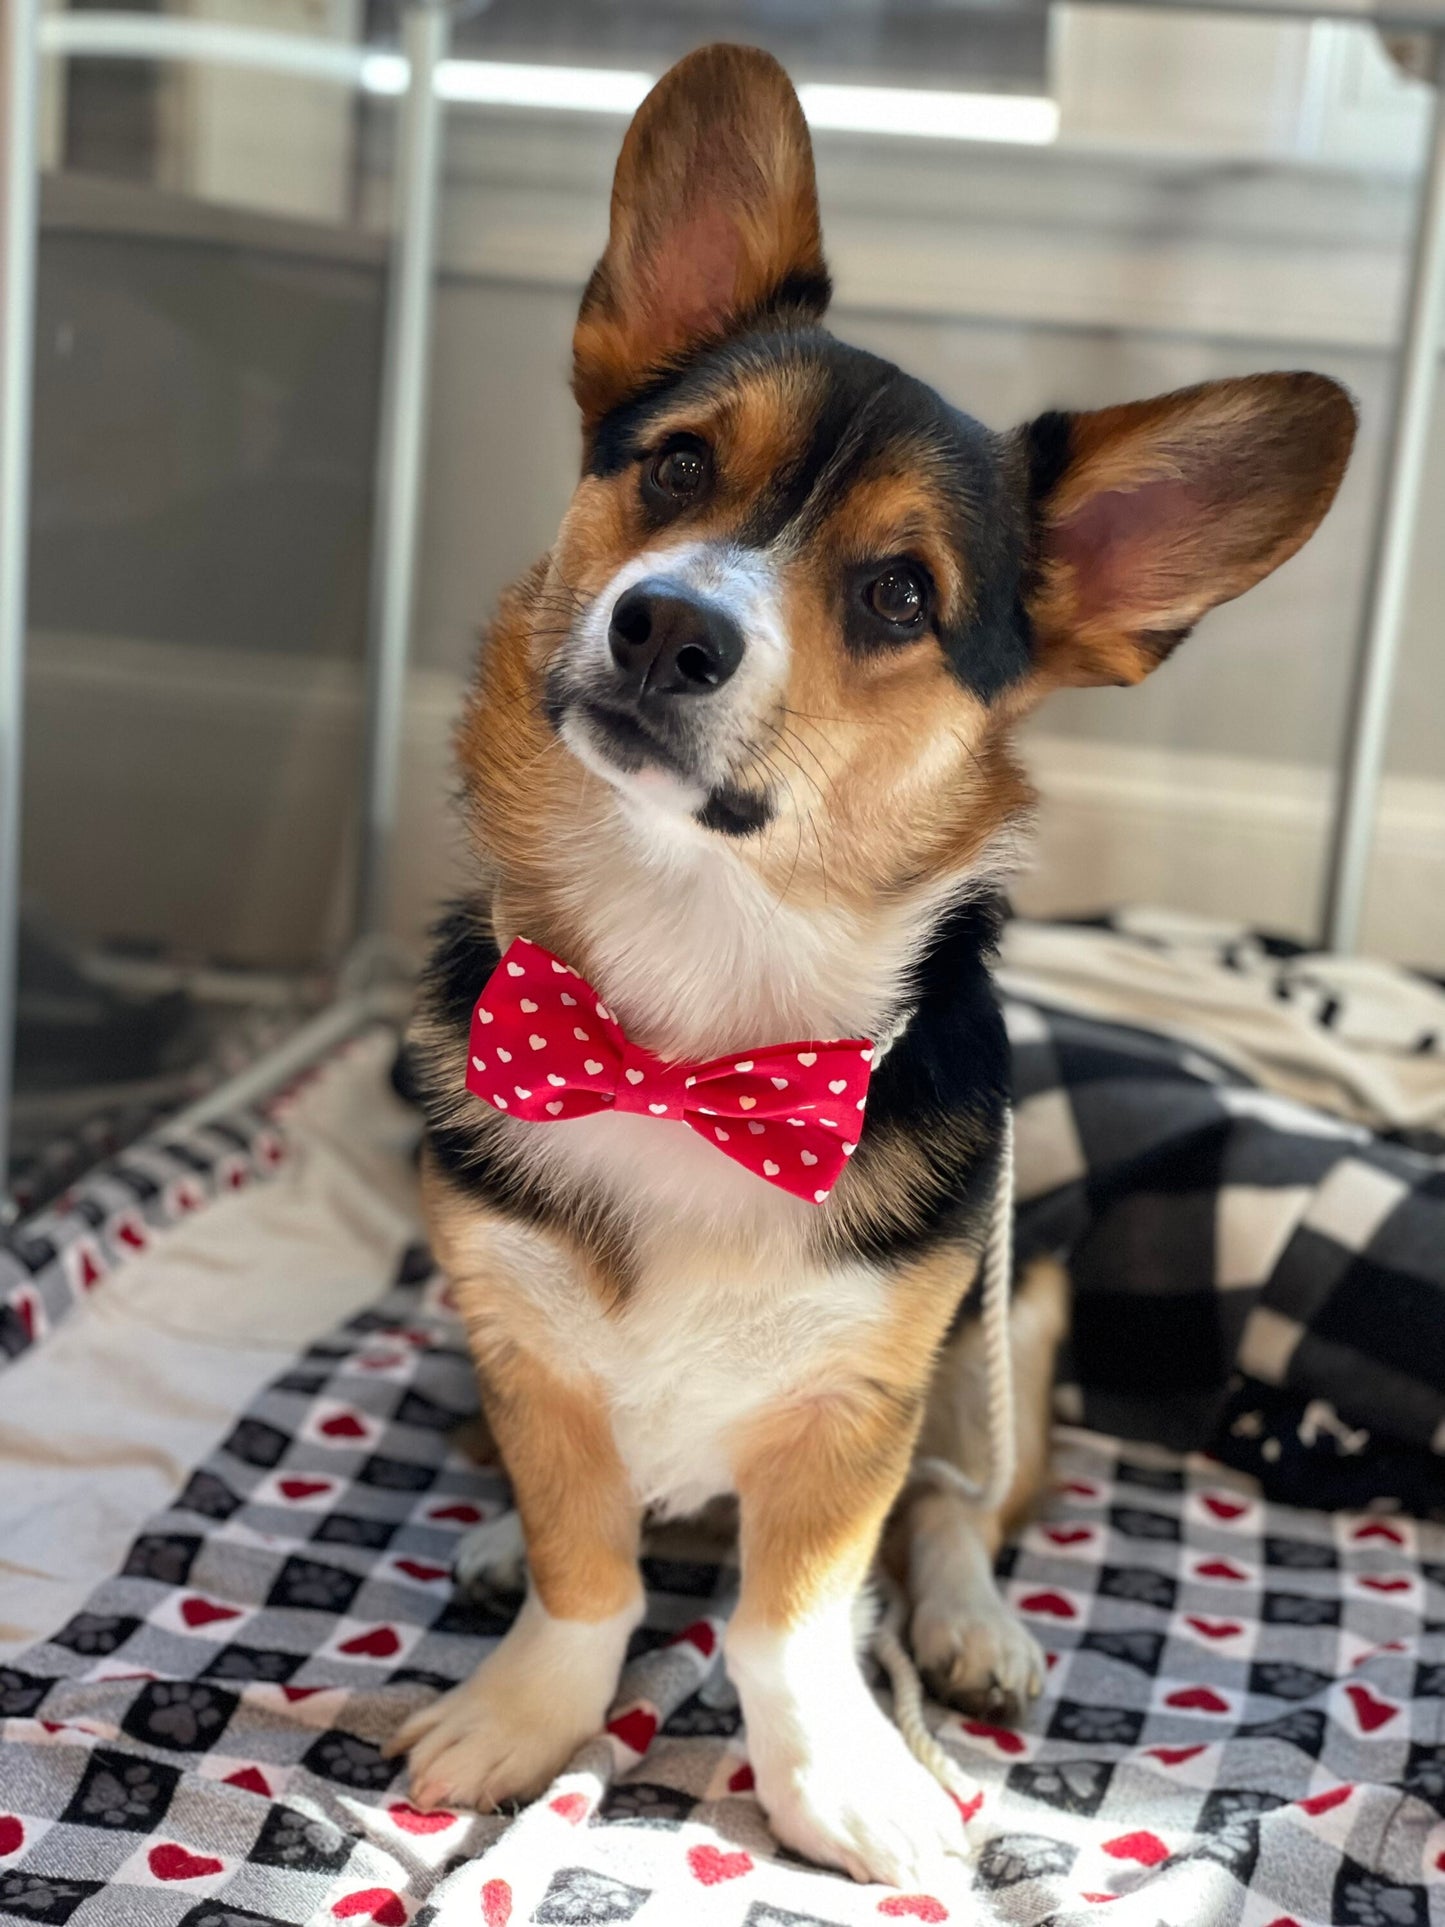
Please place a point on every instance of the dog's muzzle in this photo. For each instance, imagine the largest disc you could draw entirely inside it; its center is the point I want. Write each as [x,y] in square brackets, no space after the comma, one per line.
[668,647]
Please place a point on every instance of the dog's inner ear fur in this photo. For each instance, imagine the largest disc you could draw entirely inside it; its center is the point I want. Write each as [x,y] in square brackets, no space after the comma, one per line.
[714,224]
[1148,515]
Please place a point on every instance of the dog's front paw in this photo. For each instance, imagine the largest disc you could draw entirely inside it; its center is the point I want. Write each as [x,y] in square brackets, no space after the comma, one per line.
[857,1799]
[980,1659]
[506,1732]
[485,1742]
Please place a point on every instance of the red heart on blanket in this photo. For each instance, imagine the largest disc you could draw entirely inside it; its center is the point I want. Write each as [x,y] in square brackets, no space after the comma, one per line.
[1323,1802]
[205,1612]
[90,1271]
[1068,1535]
[1052,1603]
[712,1866]
[1371,1711]
[343,1425]
[303,1488]
[496,1904]
[1222,1569]
[968,1809]
[12,1834]
[571,1806]
[381,1361]
[25,1311]
[742,1781]
[459,1514]
[1224,1508]
[913,1907]
[1197,1699]
[294,1693]
[634,1728]
[1374,1652]
[382,1904]
[174,1863]
[421,1570]
[1377,1582]
[131,1233]
[1147,1848]
[250,1779]
[1079,1488]
[699,1634]
[1285,1920]
[1175,1755]
[1214,1628]
[412,1820]
[380,1643]
[1003,1738]
[1098,1899]
[1378,1529]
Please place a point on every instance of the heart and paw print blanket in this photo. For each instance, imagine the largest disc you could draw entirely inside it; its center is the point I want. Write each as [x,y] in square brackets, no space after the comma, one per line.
[1244,1720]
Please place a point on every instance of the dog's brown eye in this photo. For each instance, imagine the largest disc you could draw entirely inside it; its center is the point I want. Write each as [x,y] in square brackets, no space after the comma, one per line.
[899,596]
[680,473]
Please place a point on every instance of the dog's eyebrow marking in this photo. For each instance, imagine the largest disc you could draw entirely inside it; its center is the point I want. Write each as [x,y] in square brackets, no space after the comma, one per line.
[796,483]
[622,435]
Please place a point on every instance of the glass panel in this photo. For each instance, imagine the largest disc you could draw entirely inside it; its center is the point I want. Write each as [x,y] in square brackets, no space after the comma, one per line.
[208,350]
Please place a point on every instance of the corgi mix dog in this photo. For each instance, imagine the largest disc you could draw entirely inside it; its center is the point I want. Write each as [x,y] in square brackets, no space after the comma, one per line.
[737,755]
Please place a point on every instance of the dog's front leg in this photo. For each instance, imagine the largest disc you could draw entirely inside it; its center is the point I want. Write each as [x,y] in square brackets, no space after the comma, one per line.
[815,1482]
[509,1729]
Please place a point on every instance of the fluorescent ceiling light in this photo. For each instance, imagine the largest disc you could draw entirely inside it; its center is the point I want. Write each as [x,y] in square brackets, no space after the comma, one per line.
[499,83]
[929,112]
[921,111]
[384,73]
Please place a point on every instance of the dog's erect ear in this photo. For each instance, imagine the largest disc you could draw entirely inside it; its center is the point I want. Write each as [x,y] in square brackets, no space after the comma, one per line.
[1148,515]
[714,223]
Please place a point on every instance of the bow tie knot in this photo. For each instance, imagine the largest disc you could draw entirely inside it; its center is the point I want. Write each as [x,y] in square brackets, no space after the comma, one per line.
[649,1084]
[545,1048]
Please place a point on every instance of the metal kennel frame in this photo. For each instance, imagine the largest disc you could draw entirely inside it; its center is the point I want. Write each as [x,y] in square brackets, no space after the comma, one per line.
[25,33]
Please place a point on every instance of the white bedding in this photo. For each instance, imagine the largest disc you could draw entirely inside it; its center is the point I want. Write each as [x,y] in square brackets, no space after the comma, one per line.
[100,1424]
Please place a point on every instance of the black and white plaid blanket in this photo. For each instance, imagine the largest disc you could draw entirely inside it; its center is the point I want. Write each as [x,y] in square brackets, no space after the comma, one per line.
[1251,1276]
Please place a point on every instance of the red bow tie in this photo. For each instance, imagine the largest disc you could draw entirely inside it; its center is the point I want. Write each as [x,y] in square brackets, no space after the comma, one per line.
[544,1047]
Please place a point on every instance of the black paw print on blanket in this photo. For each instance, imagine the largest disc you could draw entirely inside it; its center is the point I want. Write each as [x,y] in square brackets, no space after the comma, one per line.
[182,1714]
[118,1790]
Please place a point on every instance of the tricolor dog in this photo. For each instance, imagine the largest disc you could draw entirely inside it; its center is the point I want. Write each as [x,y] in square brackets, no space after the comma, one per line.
[737,777]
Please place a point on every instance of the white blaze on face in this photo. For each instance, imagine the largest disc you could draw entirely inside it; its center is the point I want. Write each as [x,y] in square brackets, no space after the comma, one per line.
[744,584]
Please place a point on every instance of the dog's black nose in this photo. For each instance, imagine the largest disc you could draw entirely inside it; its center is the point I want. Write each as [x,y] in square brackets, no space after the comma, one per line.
[667,642]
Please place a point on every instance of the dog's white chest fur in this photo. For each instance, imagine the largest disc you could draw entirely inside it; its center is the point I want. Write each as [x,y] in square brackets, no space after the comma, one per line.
[704,1336]
[698,1351]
